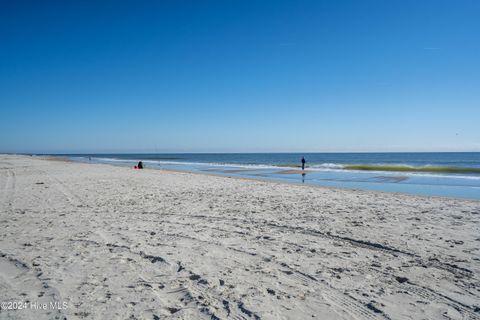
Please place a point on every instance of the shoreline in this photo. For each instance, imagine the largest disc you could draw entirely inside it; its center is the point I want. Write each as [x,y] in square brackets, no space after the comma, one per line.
[226,175]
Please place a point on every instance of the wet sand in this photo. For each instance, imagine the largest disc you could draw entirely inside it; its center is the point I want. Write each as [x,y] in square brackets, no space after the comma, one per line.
[294,171]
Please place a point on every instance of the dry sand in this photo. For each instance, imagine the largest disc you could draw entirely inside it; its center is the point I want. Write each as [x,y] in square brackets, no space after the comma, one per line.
[117,243]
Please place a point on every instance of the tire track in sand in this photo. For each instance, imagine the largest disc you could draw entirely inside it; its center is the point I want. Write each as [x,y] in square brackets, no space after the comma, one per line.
[421,261]
[432,296]
[8,192]
[19,282]
[72,198]
[344,302]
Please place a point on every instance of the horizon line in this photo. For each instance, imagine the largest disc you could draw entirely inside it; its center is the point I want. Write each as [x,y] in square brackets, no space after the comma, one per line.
[248,152]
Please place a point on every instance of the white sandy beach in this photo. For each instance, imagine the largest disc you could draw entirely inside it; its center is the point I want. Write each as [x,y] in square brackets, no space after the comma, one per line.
[117,243]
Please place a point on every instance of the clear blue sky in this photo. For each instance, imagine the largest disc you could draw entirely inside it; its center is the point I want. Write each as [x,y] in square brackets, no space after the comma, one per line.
[246,76]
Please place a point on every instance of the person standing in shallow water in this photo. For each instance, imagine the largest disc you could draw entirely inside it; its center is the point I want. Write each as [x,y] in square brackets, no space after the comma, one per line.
[303,163]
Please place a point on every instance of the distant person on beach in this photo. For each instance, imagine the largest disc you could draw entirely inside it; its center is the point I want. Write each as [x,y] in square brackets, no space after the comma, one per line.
[303,163]
[139,165]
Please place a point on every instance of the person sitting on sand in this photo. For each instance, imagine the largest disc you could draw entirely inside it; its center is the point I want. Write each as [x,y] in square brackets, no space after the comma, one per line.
[139,165]
[303,163]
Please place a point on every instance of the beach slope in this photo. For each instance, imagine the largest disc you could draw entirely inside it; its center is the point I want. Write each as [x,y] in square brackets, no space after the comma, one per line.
[106,242]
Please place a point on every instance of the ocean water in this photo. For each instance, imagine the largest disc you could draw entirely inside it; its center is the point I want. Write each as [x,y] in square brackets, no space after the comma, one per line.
[436,174]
